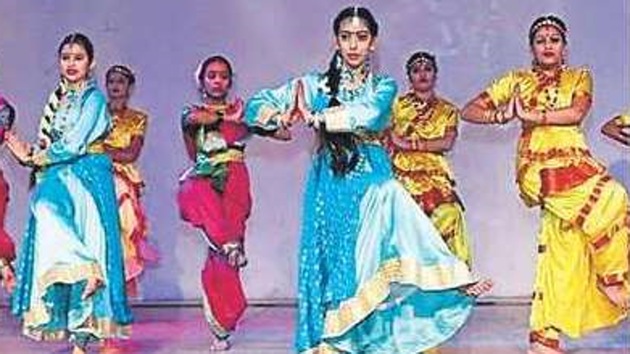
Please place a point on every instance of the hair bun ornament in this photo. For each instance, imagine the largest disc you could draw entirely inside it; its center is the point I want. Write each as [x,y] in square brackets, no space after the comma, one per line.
[419,58]
[552,21]
[124,71]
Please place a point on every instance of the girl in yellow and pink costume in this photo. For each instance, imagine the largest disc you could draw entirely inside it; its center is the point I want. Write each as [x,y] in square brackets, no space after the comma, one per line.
[123,144]
[423,130]
[581,276]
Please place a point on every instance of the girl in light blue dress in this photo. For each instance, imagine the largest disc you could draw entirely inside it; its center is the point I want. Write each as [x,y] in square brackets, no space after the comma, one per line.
[70,278]
[374,274]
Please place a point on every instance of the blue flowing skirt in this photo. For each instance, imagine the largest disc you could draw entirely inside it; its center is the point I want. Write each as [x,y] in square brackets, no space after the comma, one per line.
[72,235]
[374,274]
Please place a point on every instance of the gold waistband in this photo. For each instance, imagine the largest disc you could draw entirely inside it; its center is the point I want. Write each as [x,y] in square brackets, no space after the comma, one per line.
[228,155]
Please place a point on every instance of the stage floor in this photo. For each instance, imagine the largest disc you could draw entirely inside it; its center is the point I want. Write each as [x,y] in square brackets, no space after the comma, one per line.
[493,329]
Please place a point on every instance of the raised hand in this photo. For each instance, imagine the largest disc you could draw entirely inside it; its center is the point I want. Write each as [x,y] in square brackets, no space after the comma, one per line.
[234,111]
[521,112]
[8,278]
[20,149]
[295,112]
[510,110]
[300,111]
[201,115]
[282,134]
[412,143]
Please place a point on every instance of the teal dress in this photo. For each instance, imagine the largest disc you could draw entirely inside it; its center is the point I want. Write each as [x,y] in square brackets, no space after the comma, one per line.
[73,231]
[374,274]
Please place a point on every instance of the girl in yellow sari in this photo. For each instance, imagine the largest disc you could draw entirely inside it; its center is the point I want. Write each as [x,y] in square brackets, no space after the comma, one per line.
[424,129]
[582,264]
[123,145]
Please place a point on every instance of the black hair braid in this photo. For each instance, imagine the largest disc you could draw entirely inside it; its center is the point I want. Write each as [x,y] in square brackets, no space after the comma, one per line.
[342,146]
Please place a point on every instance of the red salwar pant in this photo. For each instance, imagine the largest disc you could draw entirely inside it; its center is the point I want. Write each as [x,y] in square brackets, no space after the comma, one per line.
[7,247]
[222,217]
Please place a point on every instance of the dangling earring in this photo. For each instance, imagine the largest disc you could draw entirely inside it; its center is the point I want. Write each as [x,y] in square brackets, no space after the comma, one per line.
[91,70]
[338,60]
[367,64]
[204,94]
[534,63]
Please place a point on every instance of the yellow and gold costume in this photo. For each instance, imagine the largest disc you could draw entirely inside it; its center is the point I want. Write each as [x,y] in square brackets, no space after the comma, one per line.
[583,239]
[623,120]
[127,125]
[427,175]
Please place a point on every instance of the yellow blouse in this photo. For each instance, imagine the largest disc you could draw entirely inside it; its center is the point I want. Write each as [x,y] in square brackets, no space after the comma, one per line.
[406,122]
[551,158]
[126,125]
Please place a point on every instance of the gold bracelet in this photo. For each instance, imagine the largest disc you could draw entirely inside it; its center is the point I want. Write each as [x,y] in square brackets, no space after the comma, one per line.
[499,116]
[495,117]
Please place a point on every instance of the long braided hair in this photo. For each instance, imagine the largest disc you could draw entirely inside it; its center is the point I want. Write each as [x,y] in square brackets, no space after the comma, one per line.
[343,146]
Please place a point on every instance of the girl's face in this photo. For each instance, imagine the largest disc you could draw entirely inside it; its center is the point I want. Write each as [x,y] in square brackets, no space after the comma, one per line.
[548,47]
[74,63]
[118,86]
[422,77]
[354,42]
[217,80]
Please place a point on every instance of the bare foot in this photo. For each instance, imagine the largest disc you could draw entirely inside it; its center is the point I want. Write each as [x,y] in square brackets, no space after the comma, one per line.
[219,345]
[109,346]
[110,350]
[92,285]
[236,258]
[479,288]
[618,295]
[537,348]
[78,350]
[241,260]
[7,278]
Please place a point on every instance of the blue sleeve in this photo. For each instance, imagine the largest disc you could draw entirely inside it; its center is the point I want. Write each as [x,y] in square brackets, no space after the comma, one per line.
[265,106]
[93,123]
[369,112]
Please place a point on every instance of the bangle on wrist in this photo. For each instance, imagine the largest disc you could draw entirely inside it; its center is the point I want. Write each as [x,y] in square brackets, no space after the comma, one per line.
[498,116]
[314,120]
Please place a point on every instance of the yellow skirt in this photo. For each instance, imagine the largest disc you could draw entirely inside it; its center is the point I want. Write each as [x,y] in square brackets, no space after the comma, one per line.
[583,245]
[448,218]
[133,230]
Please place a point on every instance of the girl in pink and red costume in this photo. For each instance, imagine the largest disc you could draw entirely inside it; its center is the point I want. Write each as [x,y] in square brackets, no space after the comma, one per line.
[214,194]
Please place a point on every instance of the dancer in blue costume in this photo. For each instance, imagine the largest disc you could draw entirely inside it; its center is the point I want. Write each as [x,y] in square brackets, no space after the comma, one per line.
[374,274]
[70,277]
